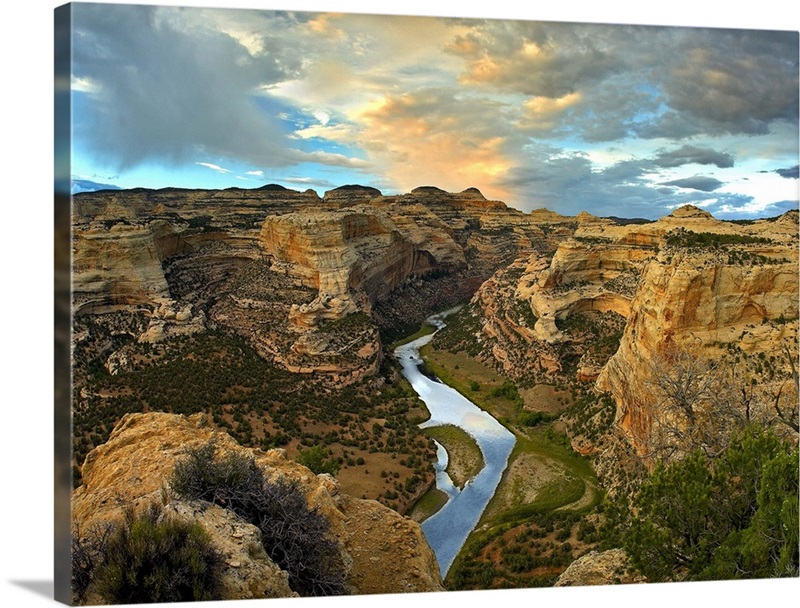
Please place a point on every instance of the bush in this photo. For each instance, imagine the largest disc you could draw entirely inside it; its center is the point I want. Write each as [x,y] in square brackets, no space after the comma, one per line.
[149,558]
[316,459]
[293,535]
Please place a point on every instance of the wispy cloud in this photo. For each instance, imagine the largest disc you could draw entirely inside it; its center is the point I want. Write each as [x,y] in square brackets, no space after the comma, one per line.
[214,167]
[698,182]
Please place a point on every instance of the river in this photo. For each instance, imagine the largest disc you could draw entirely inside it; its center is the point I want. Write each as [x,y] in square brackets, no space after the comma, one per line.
[448,529]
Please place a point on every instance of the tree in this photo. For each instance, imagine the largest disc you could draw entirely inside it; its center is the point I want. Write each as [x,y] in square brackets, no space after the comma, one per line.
[734,516]
[788,415]
[700,403]
[672,534]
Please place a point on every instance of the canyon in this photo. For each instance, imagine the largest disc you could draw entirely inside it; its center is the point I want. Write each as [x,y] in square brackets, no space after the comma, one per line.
[292,301]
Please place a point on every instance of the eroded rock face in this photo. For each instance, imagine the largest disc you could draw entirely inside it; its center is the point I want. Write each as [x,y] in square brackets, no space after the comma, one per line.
[684,281]
[699,301]
[599,568]
[356,248]
[383,551]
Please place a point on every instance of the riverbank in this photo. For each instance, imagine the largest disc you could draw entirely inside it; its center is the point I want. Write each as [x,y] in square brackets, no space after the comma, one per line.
[449,528]
[464,457]
[545,483]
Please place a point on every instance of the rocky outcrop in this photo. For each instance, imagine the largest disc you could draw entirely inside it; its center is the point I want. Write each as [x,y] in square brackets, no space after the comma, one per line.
[383,551]
[599,568]
[722,289]
[347,196]
[276,265]
[700,301]
[356,248]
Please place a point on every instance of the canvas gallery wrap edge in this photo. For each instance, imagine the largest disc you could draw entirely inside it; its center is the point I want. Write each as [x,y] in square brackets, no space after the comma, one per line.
[351,304]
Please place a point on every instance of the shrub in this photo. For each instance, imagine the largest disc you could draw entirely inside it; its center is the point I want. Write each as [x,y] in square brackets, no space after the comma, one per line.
[316,459]
[149,558]
[88,552]
[293,535]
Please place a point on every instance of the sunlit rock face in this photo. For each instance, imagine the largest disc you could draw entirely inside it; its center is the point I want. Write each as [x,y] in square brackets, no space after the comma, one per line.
[355,248]
[699,301]
[381,551]
[684,281]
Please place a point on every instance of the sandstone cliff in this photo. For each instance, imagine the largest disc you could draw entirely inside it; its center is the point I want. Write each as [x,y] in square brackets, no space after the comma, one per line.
[382,551]
[727,291]
[282,267]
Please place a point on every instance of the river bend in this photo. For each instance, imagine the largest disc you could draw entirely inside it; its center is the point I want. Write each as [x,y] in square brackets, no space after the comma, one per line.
[448,529]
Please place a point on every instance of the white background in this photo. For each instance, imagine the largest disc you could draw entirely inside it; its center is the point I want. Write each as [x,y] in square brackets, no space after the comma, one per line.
[26,310]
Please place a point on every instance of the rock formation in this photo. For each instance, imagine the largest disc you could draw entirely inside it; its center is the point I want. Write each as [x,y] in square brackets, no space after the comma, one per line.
[282,268]
[383,551]
[599,568]
[686,280]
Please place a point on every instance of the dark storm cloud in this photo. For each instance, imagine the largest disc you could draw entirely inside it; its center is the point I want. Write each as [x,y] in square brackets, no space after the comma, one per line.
[165,88]
[692,154]
[730,81]
[790,173]
[698,182]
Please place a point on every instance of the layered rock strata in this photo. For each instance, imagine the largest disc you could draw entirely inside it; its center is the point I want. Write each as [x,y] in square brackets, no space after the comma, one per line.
[686,281]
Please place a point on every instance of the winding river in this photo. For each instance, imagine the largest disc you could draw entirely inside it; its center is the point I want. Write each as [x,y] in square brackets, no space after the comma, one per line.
[447,530]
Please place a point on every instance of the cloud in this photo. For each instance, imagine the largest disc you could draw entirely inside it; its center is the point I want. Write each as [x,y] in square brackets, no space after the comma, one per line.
[789,173]
[570,116]
[535,59]
[698,182]
[330,158]
[438,136]
[692,154]
[215,167]
[732,80]
[168,84]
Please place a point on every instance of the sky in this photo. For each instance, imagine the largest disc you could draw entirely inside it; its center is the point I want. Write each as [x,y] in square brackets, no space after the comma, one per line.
[626,120]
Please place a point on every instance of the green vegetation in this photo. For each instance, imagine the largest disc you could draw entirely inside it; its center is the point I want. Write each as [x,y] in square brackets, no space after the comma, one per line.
[545,481]
[147,558]
[705,240]
[459,334]
[591,415]
[496,394]
[316,459]
[465,459]
[425,330]
[428,504]
[701,519]
[260,405]
[294,536]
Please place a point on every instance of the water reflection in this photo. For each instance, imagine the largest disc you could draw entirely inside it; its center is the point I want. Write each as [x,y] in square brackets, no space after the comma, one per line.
[448,529]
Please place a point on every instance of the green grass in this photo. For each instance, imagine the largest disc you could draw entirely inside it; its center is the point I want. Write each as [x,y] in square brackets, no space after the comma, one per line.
[428,504]
[425,330]
[459,371]
[575,483]
[465,459]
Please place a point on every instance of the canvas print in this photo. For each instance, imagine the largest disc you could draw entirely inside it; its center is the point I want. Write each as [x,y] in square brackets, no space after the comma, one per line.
[359,304]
